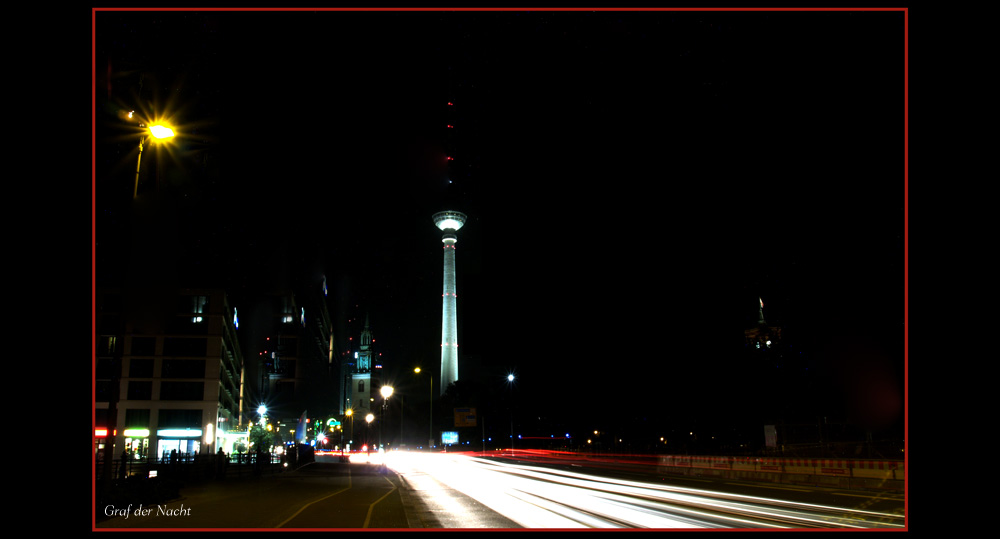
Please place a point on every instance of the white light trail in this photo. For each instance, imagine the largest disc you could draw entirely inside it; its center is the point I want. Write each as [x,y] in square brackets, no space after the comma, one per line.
[536,497]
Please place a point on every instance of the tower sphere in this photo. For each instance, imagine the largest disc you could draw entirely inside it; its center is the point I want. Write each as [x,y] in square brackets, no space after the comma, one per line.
[449,220]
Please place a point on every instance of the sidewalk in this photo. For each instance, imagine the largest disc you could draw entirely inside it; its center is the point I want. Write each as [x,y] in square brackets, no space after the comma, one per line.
[326,496]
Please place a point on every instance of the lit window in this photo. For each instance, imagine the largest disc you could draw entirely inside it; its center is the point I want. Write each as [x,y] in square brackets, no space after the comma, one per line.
[196,319]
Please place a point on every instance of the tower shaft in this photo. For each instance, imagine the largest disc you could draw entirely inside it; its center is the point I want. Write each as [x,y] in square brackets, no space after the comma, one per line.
[449,222]
[449,319]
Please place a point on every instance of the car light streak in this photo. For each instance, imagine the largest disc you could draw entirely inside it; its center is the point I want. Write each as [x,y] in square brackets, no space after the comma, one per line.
[537,497]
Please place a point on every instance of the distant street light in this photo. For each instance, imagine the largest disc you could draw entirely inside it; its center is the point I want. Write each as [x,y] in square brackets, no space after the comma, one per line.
[386,391]
[510,384]
[430,414]
[350,437]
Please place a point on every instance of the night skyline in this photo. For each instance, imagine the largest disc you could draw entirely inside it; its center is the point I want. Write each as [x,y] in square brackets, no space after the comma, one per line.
[634,181]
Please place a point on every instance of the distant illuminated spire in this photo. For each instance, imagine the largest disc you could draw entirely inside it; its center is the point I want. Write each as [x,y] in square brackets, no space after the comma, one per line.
[761,321]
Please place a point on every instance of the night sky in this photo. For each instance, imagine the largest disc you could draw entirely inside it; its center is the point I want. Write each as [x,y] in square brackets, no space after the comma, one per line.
[634,183]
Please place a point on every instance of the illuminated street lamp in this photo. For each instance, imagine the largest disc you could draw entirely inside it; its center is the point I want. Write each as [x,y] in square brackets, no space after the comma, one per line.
[158,132]
[430,413]
[510,383]
[350,437]
[386,391]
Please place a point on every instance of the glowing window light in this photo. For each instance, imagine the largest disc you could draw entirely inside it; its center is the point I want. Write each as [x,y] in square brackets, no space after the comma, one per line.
[196,319]
[100,433]
[186,433]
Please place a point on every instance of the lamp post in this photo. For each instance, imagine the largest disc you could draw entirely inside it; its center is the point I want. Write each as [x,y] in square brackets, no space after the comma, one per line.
[157,132]
[430,412]
[510,383]
[368,419]
[386,391]
[350,437]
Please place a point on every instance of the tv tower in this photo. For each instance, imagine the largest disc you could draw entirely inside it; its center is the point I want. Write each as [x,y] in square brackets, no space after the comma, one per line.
[449,222]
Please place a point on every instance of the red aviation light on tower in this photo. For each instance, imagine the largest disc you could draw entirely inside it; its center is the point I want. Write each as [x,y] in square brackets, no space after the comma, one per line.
[450,103]
[450,158]
[451,126]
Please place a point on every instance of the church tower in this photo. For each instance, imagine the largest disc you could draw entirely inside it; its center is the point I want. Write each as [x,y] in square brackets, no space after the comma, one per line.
[361,377]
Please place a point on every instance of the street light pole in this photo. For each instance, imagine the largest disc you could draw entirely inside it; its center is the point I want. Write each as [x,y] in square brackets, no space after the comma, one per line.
[135,191]
[430,413]
[156,131]
[368,419]
[510,381]
[386,392]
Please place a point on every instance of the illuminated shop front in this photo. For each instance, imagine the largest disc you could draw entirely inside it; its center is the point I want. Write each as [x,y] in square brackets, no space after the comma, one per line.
[100,439]
[186,442]
[137,443]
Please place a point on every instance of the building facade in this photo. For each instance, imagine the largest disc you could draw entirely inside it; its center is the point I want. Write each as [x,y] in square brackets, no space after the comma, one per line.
[168,362]
[297,365]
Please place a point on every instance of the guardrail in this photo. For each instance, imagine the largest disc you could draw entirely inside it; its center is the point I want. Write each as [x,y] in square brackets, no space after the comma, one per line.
[191,467]
[889,474]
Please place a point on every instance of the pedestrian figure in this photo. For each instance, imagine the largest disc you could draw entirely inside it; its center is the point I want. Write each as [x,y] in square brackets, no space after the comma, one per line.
[122,464]
[221,462]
